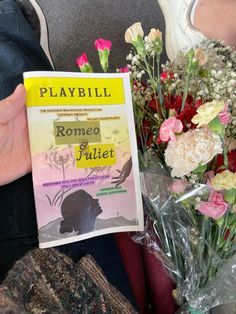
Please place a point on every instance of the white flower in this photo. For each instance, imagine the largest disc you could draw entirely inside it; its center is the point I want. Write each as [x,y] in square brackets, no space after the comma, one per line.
[129,57]
[133,32]
[207,112]
[154,35]
[200,56]
[192,149]
[225,180]
[139,75]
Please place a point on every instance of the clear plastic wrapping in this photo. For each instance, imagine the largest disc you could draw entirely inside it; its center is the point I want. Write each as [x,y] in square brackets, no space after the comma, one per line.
[197,251]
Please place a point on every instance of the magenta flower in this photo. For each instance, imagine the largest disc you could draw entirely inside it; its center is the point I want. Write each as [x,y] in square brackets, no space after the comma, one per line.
[103,47]
[123,70]
[101,44]
[83,64]
[225,116]
[82,60]
[168,129]
[215,207]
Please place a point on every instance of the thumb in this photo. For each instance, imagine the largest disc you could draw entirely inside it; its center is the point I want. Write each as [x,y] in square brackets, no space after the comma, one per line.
[10,106]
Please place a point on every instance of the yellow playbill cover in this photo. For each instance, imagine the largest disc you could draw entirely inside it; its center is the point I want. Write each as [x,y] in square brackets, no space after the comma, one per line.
[84,155]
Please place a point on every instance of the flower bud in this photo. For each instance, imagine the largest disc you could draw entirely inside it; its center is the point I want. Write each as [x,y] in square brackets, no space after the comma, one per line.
[134,35]
[103,47]
[200,56]
[83,64]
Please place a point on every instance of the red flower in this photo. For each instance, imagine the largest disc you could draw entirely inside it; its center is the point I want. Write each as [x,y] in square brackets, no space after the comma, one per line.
[167,76]
[146,126]
[226,235]
[173,102]
[190,109]
[149,140]
[158,140]
[154,104]
[231,161]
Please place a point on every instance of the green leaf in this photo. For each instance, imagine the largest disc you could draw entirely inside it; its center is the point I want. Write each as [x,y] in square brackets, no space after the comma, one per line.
[139,45]
[203,73]
[216,126]
[200,169]
[230,196]
[103,58]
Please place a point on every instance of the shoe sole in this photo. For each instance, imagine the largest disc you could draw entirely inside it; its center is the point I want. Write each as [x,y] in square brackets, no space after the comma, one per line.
[43,31]
[168,25]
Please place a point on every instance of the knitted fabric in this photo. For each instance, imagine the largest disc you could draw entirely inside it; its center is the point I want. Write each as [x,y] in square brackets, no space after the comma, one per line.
[46,281]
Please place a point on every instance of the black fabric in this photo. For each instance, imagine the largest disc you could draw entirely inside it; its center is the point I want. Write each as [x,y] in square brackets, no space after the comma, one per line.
[20,51]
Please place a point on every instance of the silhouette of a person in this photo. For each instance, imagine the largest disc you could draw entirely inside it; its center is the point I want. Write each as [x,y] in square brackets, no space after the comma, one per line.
[79,210]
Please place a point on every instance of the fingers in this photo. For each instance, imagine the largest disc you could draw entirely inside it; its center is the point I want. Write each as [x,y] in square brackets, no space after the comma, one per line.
[117,183]
[118,180]
[10,106]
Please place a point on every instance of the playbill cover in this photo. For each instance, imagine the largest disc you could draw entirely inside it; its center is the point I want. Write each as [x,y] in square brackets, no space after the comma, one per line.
[84,155]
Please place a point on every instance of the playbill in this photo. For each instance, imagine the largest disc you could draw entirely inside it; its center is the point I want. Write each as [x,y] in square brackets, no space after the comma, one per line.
[84,155]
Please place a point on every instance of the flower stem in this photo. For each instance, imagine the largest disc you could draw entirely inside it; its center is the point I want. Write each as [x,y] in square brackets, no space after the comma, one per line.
[159,83]
[226,162]
[153,83]
[187,81]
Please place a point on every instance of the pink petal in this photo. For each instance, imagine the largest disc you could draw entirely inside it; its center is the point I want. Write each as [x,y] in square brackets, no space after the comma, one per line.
[81,60]
[124,70]
[101,44]
[225,116]
[215,207]
[172,135]
[168,129]
[212,210]
[178,126]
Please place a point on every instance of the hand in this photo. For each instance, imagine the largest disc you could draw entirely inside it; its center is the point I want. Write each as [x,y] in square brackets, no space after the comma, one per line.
[15,158]
[124,173]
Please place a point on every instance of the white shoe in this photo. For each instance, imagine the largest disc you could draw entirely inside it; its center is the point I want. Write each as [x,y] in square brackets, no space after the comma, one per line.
[180,33]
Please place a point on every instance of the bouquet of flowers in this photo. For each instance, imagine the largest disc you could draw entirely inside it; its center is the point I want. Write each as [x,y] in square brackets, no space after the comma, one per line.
[185,114]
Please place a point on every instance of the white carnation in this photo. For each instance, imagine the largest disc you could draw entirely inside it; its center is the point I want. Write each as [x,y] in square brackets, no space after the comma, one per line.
[192,149]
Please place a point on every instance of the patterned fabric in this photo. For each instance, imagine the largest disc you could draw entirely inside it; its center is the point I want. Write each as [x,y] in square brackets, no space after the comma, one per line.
[46,281]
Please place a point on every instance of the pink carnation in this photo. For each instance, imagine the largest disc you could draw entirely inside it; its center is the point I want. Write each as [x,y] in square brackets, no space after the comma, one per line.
[101,44]
[82,60]
[124,70]
[168,129]
[215,207]
[178,186]
[209,175]
[225,116]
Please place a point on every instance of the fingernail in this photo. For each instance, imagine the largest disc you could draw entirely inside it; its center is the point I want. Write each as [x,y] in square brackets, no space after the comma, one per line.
[19,87]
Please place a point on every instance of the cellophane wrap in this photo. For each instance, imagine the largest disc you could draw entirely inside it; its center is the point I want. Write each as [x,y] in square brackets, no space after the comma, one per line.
[203,278]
